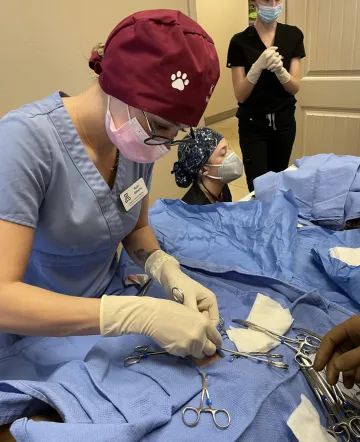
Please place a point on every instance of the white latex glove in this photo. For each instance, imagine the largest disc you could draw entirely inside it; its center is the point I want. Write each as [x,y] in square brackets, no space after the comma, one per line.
[275,62]
[277,67]
[261,64]
[166,271]
[174,327]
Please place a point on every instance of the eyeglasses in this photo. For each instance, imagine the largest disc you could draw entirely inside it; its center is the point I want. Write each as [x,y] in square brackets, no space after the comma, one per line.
[157,140]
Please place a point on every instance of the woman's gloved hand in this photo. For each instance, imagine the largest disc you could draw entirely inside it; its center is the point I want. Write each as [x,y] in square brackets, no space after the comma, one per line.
[261,64]
[175,328]
[340,352]
[166,271]
[276,66]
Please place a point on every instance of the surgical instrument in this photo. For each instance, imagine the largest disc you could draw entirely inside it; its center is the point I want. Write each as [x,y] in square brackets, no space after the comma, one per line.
[177,293]
[213,411]
[141,352]
[339,433]
[302,339]
[253,355]
[145,288]
[350,424]
[342,418]
[306,344]
[309,332]
[257,357]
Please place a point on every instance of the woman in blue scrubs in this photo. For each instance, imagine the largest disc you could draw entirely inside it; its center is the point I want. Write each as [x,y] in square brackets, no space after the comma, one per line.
[74,177]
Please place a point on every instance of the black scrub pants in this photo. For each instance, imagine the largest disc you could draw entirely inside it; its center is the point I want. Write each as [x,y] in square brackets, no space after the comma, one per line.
[266,143]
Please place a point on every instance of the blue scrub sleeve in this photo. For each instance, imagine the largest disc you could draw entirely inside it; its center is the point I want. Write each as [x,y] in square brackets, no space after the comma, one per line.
[148,178]
[25,169]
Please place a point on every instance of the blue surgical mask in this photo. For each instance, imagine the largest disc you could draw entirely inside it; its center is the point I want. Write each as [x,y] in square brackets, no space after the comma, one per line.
[269,14]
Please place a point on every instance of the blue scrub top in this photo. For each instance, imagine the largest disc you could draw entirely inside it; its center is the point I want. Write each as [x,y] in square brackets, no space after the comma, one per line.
[48,182]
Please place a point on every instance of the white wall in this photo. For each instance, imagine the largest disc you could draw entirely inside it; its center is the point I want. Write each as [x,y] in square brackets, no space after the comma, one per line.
[222,19]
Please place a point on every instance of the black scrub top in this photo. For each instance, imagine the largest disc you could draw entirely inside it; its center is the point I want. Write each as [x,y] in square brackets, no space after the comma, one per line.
[268,96]
[196,197]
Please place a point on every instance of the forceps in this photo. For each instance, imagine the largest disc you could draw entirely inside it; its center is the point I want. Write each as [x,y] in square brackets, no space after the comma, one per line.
[140,352]
[343,424]
[213,411]
[350,425]
[310,333]
[257,357]
[339,432]
[252,355]
[304,342]
[177,293]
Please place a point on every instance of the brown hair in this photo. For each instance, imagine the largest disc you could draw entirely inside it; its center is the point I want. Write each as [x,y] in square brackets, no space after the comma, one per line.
[99,48]
[97,55]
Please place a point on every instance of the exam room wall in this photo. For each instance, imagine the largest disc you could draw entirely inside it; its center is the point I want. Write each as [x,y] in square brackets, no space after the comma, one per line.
[45,47]
[222,20]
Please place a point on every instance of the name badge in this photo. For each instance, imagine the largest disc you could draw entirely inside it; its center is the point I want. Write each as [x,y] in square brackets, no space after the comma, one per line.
[134,194]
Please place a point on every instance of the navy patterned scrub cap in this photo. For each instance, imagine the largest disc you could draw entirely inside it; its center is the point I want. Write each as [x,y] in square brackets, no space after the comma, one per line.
[193,154]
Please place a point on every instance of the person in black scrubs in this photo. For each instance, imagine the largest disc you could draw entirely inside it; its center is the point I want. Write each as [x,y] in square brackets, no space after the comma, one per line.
[265,64]
[206,162]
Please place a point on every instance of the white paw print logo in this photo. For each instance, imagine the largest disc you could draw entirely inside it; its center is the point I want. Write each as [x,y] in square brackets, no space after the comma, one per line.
[179,81]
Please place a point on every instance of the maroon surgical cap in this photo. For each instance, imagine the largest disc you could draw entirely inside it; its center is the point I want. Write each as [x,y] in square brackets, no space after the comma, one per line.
[162,62]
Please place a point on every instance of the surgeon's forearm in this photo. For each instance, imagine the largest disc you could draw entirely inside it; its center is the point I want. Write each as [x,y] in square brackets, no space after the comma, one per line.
[140,244]
[29,310]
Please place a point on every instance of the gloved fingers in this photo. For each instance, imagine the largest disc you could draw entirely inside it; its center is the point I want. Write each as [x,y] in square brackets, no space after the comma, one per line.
[332,369]
[271,59]
[271,51]
[205,313]
[180,352]
[357,376]
[207,302]
[214,336]
[191,302]
[209,348]
[197,352]
[349,360]
[338,337]
[278,64]
[329,344]
[349,379]
[214,315]
[274,59]
[332,375]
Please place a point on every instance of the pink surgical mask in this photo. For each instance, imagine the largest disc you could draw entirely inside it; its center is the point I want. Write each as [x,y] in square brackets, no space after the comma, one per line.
[129,139]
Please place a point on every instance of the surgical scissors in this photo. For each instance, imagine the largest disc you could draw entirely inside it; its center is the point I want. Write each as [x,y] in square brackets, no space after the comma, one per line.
[213,411]
[257,357]
[140,352]
[178,295]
